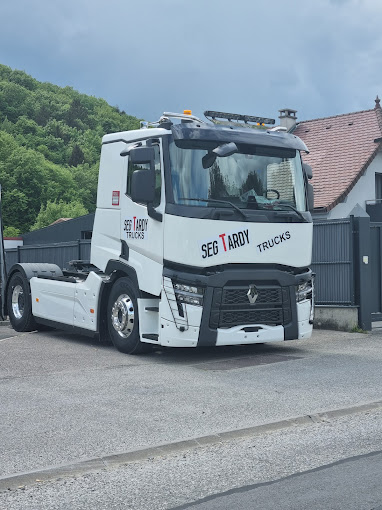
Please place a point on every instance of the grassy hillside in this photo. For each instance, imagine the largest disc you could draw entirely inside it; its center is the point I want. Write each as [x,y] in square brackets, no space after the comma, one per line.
[50,139]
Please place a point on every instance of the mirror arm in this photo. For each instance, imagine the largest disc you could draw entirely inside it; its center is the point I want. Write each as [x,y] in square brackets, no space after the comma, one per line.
[131,146]
[310,197]
[155,215]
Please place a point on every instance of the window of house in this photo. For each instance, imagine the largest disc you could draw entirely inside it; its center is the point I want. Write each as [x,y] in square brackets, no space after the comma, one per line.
[378,186]
[158,179]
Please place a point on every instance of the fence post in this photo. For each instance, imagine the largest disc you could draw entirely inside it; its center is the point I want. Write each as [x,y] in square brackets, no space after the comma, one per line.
[78,249]
[362,247]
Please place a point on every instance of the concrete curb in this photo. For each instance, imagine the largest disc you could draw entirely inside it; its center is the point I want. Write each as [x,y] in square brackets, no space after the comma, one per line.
[20,480]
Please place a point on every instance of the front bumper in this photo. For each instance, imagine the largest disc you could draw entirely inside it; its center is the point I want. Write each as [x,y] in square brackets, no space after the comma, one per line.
[239,335]
[228,318]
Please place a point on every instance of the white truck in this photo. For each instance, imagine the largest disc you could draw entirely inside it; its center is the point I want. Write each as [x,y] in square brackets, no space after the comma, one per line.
[202,237]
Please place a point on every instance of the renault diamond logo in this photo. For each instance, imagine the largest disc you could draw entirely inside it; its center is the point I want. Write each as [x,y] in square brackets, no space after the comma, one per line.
[252,294]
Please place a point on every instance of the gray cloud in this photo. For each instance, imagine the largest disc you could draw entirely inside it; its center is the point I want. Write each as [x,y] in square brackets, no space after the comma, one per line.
[321,58]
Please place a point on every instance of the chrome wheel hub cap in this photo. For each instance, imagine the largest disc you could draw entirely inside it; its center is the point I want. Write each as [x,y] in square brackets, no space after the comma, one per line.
[18,302]
[122,316]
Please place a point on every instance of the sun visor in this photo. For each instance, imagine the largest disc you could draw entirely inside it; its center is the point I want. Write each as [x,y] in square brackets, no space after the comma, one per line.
[190,136]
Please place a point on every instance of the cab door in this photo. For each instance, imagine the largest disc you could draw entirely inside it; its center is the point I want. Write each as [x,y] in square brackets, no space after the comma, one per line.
[143,233]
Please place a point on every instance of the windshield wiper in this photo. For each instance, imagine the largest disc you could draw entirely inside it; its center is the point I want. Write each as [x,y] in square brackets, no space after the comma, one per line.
[292,208]
[218,202]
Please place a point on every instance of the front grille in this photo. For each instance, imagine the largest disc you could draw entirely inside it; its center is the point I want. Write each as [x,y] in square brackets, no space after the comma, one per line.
[239,296]
[231,306]
[234,318]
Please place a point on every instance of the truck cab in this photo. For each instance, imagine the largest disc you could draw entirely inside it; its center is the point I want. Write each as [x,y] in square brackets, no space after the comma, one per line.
[202,237]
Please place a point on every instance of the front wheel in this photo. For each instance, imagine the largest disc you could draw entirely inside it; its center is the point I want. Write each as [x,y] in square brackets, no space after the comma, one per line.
[122,318]
[19,304]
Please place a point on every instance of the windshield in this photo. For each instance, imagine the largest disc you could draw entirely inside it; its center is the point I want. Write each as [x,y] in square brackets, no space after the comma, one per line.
[253,178]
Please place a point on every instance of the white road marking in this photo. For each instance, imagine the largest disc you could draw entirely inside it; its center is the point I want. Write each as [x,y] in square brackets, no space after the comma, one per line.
[9,337]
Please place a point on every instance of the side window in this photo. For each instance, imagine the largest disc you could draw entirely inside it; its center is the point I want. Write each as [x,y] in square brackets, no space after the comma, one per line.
[158,179]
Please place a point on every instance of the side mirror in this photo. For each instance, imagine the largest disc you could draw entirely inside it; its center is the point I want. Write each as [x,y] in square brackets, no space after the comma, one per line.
[143,186]
[307,170]
[142,155]
[310,197]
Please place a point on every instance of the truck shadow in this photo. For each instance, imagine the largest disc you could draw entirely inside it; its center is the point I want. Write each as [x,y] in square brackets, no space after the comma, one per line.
[190,355]
[216,355]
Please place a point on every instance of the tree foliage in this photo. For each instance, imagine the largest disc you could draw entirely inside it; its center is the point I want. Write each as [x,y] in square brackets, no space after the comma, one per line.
[11,232]
[53,211]
[50,141]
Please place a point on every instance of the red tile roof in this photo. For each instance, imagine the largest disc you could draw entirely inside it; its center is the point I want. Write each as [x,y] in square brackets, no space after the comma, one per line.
[341,148]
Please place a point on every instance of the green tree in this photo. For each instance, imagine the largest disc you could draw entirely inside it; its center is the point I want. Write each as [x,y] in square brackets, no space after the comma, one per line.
[76,157]
[12,100]
[7,145]
[23,79]
[86,180]
[15,209]
[56,210]
[77,112]
[11,232]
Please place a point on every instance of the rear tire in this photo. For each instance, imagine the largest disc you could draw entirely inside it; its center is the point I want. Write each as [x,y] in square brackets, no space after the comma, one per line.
[19,304]
[122,318]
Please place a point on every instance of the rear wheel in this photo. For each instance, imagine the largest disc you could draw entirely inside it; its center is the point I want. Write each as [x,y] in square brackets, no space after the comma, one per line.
[122,318]
[19,304]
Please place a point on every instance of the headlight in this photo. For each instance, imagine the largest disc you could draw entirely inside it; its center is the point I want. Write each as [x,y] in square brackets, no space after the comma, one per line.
[304,291]
[188,294]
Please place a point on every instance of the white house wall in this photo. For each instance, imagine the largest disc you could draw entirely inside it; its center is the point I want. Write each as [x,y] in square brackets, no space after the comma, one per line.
[12,243]
[362,191]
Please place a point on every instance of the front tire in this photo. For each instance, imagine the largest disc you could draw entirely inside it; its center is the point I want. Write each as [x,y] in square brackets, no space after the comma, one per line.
[122,318]
[19,304]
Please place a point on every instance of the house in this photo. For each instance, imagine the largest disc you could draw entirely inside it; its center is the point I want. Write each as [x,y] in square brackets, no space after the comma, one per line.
[346,158]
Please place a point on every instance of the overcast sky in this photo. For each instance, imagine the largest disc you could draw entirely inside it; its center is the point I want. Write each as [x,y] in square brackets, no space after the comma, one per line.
[320,57]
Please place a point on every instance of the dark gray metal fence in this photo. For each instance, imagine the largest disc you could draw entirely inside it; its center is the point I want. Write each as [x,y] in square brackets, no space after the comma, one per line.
[58,253]
[376,270]
[333,262]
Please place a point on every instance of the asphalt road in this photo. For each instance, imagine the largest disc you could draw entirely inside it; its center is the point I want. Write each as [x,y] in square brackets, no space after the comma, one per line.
[65,399]
[353,484]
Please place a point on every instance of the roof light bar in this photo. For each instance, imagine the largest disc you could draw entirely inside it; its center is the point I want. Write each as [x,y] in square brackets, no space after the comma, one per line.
[239,119]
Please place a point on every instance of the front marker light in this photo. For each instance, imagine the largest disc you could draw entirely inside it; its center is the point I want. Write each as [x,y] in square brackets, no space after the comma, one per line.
[187,288]
[304,291]
[311,318]
[188,294]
